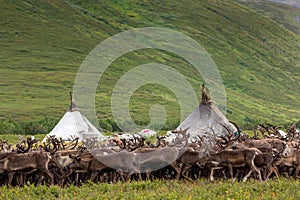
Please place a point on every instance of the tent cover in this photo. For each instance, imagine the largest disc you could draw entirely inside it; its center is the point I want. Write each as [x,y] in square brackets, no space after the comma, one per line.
[75,124]
[206,119]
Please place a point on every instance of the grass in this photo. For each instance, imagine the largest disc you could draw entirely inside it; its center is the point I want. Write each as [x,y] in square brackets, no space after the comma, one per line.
[43,44]
[14,138]
[283,14]
[200,189]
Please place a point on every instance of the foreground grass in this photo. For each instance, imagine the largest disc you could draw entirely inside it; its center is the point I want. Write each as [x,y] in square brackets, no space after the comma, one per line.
[201,189]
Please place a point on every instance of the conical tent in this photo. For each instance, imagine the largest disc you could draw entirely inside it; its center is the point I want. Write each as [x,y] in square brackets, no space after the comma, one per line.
[206,118]
[74,124]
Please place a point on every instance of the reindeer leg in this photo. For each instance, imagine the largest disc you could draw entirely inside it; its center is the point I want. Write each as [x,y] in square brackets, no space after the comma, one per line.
[77,179]
[20,180]
[10,177]
[40,179]
[265,172]
[185,172]
[128,176]
[247,175]
[272,170]
[177,170]
[211,176]
[140,176]
[237,174]
[111,177]
[66,175]
[148,174]
[259,174]
[94,175]
[252,168]
[231,172]
[56,175]
[49,174]
[296,172]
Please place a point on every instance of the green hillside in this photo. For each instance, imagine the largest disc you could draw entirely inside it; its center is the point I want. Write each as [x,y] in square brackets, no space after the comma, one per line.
[44,43]
[285,15]
[293,3]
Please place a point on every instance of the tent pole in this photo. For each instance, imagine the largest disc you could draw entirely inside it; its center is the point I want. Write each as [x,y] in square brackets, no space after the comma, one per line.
[205,97]
[71,98]
[71,102]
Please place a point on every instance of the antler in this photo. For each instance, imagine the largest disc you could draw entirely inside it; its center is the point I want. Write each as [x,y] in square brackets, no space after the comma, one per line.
[51,141]
[236,126]
[184,137]
[255,136]
[292,131]
[21,146]
[158,143]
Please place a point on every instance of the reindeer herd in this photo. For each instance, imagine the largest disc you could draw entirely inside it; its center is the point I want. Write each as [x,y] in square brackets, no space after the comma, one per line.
[271,152]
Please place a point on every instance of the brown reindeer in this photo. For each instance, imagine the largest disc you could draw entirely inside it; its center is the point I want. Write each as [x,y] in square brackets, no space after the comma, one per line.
[292,160]
[234,158]
[13,163]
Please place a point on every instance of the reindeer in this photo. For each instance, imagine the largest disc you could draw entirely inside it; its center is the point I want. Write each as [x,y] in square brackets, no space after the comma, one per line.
[158,159]
[292,160]
[106,162]
[265,160]
[13,163]
[190,157]
[234,158]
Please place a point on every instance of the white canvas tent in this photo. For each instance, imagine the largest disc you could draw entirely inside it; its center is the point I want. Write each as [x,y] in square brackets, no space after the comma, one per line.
[206,118]
[74,124]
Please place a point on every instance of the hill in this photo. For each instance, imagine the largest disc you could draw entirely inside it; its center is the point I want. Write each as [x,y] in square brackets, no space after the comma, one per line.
[294,3]
[281,12]
[44,43]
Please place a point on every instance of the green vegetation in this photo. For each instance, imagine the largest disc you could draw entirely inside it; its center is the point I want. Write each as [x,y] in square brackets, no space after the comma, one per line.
[42,126]
[44,42]
[14,138]
[285,15]
[200,189]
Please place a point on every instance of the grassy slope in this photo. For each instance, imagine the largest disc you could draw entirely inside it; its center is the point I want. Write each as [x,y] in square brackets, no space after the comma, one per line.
[42,48]
[44,44]
[294,3]
[285,15]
